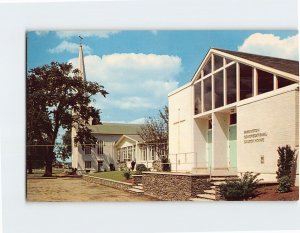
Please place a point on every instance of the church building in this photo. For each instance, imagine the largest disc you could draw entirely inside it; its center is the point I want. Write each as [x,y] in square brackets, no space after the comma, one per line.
[234,114]
[117,143]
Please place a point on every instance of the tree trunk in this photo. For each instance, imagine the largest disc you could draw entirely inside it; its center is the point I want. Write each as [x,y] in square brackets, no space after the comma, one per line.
[48,161]
[29,166]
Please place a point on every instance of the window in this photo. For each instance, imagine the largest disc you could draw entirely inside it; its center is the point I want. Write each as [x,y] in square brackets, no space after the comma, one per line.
[283,82]
[218,62]
[265,82]
[87,150]
[207,67]
[227,60]
[245,82]
[207,94]
[231,84]
[219,91]
[88,164]
[133,152]
[209,124]
[233,119]
[145,153]
[197,97]
[100,147]
[129,149]
[152,153]
[119,155]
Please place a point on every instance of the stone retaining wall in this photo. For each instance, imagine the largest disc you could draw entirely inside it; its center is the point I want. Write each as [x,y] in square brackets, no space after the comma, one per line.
[174,186]
[111,183]
[137,179]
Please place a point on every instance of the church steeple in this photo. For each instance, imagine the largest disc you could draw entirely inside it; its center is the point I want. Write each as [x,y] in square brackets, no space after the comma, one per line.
[81,61]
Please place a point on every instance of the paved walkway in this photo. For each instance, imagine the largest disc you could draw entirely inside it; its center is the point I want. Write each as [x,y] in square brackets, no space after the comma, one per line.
[75,189]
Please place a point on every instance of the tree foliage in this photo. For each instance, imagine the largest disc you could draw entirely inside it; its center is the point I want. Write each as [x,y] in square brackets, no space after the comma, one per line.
[57,97]
[285,161]
[155,131]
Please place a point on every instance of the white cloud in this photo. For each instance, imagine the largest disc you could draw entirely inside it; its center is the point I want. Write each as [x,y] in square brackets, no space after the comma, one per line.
[100,34]
[138,121]
[271,45]
[134,81]
[70,47]
[41,33]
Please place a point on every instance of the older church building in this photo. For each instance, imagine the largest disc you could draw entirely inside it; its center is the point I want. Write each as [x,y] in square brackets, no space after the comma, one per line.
[234,114]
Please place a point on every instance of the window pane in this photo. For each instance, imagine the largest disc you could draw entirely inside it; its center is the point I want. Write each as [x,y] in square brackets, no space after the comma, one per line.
[219,93]
[245,81]
[207,94]
[197,97]
[233,119]
[265,81]
[283,82]
[218,62]
[231,84]
[207,67]
[227,60]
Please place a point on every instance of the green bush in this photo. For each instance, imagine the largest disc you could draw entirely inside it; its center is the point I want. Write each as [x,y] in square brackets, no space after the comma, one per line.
[156,165]
[166,166]
[240,188]
[127,174]
[284,184]
[285,161]
[141,168]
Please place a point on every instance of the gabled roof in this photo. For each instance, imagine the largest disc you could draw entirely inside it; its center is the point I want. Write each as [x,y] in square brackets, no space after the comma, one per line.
[133,137]
[285,65]
[116,128]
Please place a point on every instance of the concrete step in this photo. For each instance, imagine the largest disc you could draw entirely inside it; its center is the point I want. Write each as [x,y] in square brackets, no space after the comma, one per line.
[140,184]
[210,191]
[138,187]
[217,183]
[136,191]
[199,199]
[207,196]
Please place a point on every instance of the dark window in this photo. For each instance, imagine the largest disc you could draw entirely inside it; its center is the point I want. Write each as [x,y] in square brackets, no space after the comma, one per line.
[283,82]
[233,118]
[87,150]
[209,124]
[219,91]
[100,148]
[218,62]
[227,60]
[245,82]
[207,67]
[88,164]
[265,81]
[231,84]
[207,94]
[197,97]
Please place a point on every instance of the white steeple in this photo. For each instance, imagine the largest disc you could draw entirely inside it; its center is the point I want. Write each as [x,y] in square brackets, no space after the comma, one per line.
[81,62]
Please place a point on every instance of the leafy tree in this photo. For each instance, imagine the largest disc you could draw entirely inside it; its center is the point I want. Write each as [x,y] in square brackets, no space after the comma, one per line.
[155,131]
[65,151]
[57,97]
[285,161]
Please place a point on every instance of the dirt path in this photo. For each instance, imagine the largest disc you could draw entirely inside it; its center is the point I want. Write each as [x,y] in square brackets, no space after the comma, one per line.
[75,189]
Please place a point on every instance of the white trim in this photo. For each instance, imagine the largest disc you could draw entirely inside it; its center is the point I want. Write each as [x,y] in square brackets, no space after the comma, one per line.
[238,82]
[180,89]
[275,82]
[254,82]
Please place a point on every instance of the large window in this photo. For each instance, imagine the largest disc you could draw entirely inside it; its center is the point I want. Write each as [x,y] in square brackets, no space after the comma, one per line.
[207,94]
[218,62]
[129,148]
[88,164]
[219,91]
[145,153]
[197,97]
[265,82]
[283,82]
[245,81]
[100,147]
[231,84]
[87,150]
[207,67]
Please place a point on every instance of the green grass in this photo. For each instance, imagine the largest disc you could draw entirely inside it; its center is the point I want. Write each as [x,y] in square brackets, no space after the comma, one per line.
[115,175]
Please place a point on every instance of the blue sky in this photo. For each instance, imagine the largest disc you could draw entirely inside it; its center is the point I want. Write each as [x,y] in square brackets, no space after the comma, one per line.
[140,68]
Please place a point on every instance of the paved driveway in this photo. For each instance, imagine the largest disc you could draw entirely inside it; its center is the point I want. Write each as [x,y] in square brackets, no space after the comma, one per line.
[75,189]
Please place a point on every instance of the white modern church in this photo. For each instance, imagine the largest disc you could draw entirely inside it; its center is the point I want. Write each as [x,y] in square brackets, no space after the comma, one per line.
[234,114]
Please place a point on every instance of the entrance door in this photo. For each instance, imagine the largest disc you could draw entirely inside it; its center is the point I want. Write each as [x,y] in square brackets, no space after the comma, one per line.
[100,166]
[232,146]
[209,148]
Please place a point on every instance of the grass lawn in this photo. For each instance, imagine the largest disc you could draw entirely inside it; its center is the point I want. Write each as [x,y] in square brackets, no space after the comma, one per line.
[115,175]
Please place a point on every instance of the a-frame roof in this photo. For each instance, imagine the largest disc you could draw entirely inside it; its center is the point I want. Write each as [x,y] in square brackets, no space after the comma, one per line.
[116,128]
[280,66]
[285,65]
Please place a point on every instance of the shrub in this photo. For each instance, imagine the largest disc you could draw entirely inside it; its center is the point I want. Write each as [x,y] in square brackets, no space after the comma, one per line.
[156,165]
[166,166]
[122,166]
[240,188]
[112,167]
[141,168]
[284,184]
[127,174]
[285,161]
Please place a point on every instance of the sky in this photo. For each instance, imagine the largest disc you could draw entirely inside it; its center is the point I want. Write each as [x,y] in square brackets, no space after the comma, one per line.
[140,68]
